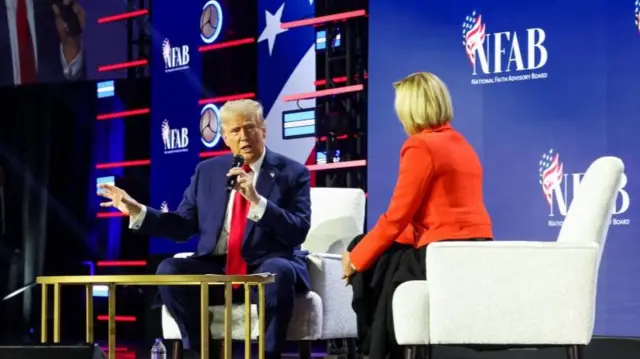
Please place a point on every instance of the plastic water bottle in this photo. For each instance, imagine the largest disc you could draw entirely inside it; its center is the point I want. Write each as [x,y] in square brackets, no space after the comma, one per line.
[158,350]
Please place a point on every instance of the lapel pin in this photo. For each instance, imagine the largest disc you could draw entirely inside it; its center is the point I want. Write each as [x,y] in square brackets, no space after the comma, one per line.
[272,174]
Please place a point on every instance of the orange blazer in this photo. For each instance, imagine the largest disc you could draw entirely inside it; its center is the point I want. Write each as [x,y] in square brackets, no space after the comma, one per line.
[438,196]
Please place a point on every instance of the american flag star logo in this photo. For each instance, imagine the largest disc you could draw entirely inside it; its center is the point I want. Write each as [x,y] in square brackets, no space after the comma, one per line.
[637,15]
[550,172]
[473,35]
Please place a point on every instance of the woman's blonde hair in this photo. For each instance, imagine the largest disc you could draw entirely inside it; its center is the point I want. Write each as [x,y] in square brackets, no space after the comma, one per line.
[422,101]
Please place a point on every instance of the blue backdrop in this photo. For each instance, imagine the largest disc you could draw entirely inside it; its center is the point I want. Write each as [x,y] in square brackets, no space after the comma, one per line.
[175,113]
[543,78]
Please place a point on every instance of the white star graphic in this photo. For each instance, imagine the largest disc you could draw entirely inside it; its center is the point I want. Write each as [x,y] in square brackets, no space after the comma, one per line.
[273,28]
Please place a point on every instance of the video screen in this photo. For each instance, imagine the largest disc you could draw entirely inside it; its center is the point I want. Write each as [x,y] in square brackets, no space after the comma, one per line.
[299,123]
[61,40]
[321,39]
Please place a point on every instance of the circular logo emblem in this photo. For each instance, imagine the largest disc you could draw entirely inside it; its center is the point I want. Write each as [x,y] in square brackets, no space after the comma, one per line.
[210,21]
[210,125]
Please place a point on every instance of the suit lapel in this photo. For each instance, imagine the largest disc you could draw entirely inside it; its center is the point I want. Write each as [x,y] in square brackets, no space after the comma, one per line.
[264,186]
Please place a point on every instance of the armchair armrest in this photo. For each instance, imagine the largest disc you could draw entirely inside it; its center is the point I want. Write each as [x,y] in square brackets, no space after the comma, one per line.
[512,292]
[338,318]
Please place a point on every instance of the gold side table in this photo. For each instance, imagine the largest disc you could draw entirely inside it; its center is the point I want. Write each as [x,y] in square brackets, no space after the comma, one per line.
[204,281]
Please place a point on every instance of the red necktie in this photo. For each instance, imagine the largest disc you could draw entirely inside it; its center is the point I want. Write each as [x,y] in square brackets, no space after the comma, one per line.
[25,45]
[235,263]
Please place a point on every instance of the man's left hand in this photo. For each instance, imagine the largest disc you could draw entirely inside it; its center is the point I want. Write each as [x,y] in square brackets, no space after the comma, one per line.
[71,44]
[244,185]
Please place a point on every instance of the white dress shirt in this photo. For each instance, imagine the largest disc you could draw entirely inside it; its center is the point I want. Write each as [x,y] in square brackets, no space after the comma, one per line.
[70,70]
[255,211]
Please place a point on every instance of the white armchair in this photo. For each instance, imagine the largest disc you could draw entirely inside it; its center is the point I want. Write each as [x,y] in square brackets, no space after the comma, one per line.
[324,313]
[510,294]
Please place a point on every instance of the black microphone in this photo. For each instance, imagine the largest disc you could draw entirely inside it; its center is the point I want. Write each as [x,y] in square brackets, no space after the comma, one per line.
[238,161]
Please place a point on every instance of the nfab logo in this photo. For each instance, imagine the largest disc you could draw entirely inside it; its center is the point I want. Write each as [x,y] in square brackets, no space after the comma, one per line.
[175,139]
[175,58]
[500,56]
[559,188]
[164,207]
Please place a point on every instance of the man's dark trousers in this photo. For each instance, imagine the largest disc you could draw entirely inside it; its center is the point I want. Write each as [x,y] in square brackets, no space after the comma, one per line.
[183,302]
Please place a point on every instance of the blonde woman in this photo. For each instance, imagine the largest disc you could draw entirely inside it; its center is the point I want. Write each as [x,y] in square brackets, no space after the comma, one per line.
[437,197]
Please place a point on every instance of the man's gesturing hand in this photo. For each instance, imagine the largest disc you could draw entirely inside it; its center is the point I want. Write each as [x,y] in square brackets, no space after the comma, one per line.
[244,185]
[119,199]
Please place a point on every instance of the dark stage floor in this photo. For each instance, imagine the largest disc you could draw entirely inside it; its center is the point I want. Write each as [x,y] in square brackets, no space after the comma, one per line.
[600,348]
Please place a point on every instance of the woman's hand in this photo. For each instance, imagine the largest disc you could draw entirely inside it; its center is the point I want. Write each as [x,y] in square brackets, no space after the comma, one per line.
[347,267]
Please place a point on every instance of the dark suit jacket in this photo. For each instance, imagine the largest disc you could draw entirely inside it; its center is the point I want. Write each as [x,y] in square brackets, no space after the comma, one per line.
[283,228]
[49,67]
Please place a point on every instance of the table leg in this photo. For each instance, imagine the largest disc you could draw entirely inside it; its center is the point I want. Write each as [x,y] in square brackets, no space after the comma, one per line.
[88,293]
[112,320]
[44,305]
[261,334]
[204,320]
[228,322]
[247,321]
[56,313]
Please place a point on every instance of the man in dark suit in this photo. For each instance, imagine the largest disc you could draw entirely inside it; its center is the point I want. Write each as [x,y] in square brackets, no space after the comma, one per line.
[255,228]
[40,47]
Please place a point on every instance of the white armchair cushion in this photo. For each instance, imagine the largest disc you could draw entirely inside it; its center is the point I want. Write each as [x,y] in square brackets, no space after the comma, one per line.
[170,328]
[237,319]
[411,313]
[306,319]
[511,292]
[338,318]
[337,216]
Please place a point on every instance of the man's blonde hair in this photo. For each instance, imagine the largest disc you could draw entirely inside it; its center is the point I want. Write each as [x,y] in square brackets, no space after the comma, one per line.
[422,101]
[243,108]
